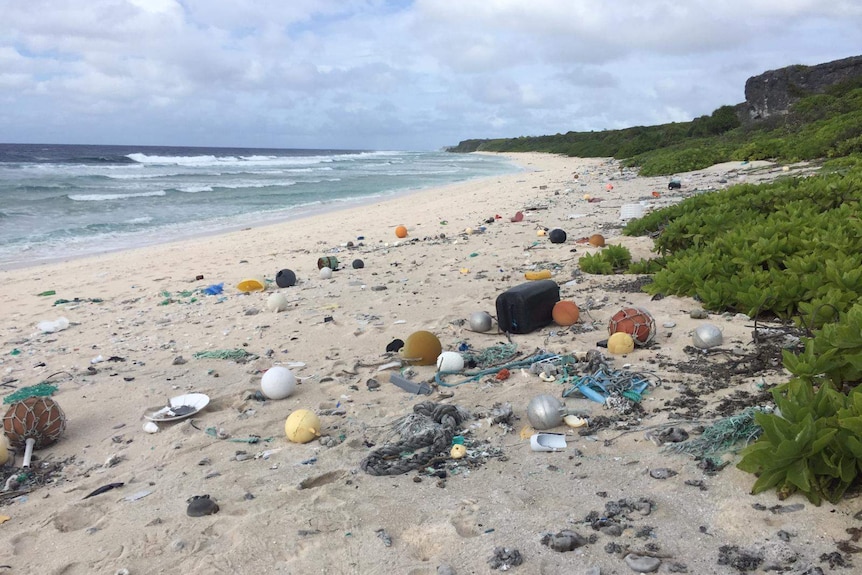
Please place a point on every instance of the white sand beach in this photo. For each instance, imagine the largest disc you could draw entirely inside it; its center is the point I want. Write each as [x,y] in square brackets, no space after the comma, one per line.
[140,319]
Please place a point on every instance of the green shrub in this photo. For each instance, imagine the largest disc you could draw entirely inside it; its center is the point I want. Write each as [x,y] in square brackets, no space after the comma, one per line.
[612,259]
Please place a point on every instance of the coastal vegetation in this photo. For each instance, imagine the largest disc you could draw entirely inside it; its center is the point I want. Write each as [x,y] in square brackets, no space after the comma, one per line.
[826,125]
[790,251]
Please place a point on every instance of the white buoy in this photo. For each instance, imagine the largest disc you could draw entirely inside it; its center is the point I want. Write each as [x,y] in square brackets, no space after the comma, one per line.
[450,361]
[325,273]
[278,382]
[276,302]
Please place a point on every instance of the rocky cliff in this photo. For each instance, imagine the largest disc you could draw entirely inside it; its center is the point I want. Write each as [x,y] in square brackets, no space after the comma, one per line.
[772,92]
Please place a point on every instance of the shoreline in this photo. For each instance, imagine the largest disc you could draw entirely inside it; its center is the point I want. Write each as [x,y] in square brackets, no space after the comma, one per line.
[150,238]
[141,331]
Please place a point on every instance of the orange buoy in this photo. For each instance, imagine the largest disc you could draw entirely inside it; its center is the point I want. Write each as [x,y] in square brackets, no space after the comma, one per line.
[401,232]
[565,313]
[597,240]
[636,322]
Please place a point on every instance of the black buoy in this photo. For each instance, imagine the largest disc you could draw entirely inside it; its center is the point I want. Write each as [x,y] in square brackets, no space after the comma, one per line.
[557,236]
[358,264]
[285,278]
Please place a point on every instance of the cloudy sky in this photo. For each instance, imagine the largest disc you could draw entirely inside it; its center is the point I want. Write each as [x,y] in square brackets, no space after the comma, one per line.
[401,74]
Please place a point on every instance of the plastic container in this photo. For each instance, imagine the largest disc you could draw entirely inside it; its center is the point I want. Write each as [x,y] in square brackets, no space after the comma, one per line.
[631,211]
[330,262]
[58,324]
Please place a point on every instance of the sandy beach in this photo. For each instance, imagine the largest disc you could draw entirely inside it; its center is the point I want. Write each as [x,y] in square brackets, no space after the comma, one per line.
[140,327]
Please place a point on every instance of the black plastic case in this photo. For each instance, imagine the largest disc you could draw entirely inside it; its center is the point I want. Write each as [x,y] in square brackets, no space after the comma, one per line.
[527,307]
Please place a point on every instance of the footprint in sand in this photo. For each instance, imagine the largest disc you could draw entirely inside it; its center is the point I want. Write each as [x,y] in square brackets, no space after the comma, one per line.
[464,520]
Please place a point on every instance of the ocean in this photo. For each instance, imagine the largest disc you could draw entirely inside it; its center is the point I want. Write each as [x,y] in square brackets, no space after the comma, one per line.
[62,201]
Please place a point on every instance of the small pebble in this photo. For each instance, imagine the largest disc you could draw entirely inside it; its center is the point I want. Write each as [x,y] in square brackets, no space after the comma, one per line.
[642,563]
[201,505]
[698,314]
[661,473]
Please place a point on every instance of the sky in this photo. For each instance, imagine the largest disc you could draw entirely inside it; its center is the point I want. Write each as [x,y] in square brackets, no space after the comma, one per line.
[389,75]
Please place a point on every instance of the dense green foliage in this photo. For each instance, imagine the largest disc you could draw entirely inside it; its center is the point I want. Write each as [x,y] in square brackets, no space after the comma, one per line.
[612,259]
[792,248]
[814,443]
[827,125]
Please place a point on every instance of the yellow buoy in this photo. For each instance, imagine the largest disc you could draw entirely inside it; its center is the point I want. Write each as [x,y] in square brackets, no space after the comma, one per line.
[302,426]
[538,275]
[458,451]
[251,284]
[422,348]
[621,343]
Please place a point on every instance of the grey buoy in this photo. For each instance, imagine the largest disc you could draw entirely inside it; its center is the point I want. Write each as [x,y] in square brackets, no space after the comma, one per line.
[358,264]
[285,278]
[480,321]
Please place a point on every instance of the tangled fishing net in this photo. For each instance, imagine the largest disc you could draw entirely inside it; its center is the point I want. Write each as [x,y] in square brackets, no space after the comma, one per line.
[725,435]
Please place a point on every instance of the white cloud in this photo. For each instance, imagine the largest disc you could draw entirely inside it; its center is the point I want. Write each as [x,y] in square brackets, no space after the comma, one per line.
[346,73]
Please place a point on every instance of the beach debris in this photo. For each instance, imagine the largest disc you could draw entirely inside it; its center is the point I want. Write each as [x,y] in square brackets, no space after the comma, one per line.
[302,426]
[722,436]
[409,386]
[635,321]
[53,326]
[278,382]
[422,348]
[330,262]
[545,411]
[431,427]
[285,278]
[43,389]
[325,273]
[237,355]
[480,321]
[518,217]
[395,345]
[358,264]
[565,540]
[706,336]
[401,232]
[33,423]
[458,451]
[621,343]
[565,313]
[214,289]
[201,505]
[642,563]
[103,489]
[547,442]
[557,236]
[505,558]
[596,240]
[527,307]
[450,361]
[538,275]
[249,285]
[276,302]
[151,427]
